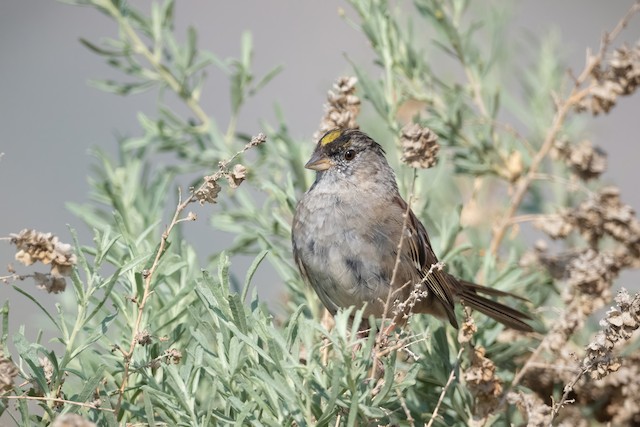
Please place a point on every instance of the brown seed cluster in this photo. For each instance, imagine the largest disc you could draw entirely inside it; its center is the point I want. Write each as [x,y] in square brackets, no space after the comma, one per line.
[467,330]
[8,371]
[601,215]
[483,383]
[617,327]
[209,190]
[620,77]
[585,161]
[617,394]
[259,139]
[604,214]
[36,246]
[47,368]
[143,338]
[342,107]
[173,356]
[419,146]
[236,176]
[588,273]
[71,420]
[590,277]
[537,413]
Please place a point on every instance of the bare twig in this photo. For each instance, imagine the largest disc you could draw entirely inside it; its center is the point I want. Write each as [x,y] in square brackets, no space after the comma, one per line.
[14,277]
[563,108]
[566,391]
[386,331]
[396,265]
[148,275]
[55,399]
[399,345]
[452,376]
[530,217]
[405,408]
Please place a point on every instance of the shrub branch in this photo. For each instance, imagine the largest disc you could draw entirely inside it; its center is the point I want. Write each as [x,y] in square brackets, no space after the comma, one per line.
[563,108]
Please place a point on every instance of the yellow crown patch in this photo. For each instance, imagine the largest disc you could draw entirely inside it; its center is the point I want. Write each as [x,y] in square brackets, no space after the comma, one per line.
[330,137]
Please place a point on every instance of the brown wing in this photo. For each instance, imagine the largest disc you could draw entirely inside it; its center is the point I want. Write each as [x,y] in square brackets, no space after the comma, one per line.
[420,252]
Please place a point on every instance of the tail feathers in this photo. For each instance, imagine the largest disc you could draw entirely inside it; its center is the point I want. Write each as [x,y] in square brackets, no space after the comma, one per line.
[489,291]
[506,315]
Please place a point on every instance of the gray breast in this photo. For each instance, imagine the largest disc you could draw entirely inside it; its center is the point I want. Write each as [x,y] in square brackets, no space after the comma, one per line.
[344,260]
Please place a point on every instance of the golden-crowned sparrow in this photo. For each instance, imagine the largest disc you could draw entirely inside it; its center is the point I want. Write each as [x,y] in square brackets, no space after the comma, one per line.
[346,232]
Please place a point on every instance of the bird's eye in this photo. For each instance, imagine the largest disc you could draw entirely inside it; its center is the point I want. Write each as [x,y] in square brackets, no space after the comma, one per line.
[349,155]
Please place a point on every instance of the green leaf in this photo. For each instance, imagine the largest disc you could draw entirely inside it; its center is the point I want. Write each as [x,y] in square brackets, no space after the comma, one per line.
[99,50]
[82,260]
[104,246]
[24,413]
[266,79]
[250,273]
[223,271]
[246,51]
[97,335]
[237,311]
[148,410]
[106,295]
[36,302]
[29,353]
[5,327]
[78,286]
[89,388]
[168,13]
[373,91]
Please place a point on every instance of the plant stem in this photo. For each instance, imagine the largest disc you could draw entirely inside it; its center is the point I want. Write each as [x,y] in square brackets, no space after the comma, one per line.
[166,75]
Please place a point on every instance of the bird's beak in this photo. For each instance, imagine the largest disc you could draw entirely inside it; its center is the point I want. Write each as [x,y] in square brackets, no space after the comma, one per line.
[318,162]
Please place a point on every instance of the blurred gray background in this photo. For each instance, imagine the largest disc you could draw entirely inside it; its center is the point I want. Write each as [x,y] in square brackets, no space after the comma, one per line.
[50,116]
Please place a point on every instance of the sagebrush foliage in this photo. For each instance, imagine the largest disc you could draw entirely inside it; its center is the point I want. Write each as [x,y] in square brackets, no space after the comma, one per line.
[153,337]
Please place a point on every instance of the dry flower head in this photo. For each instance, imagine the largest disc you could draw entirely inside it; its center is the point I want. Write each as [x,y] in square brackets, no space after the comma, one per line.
[482,382]
[236,176]
[143,338]
[209,190]
[537,413]
[71,420]
[468,328]
[419,146]
[511,166]
[259,139]
[342,107]
[590,277]
[601,215]
[173,356]
[36,246]
[584,160]
[47,368]
[8,371]
[617,327]
[49,283]
[619,77]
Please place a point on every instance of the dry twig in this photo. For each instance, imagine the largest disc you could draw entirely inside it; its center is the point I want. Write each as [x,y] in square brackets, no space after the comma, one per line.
[452,376]
[563,108]
[148,275]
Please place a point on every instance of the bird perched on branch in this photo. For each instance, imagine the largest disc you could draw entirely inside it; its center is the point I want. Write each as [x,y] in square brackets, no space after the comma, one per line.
[357,242]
